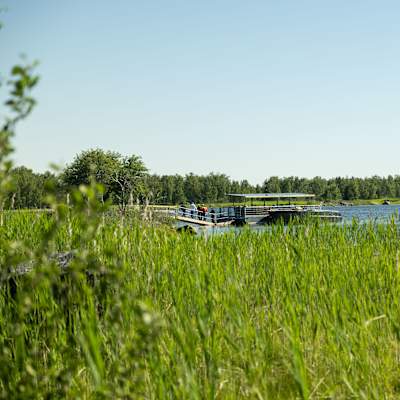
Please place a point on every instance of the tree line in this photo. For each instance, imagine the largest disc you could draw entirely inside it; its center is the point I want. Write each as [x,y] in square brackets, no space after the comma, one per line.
[126,180]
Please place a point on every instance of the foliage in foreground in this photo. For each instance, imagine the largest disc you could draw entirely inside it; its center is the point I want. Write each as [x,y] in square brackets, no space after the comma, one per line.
[303,312]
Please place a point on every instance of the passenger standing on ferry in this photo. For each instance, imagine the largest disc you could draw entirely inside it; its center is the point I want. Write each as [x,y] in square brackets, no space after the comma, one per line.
[213,215]
[205,211]
[193,210]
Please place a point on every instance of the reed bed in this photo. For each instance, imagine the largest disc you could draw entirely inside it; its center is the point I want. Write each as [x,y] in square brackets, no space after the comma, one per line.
[302,312]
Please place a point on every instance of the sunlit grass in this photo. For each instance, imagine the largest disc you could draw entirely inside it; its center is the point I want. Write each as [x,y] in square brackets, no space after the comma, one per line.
[300,312]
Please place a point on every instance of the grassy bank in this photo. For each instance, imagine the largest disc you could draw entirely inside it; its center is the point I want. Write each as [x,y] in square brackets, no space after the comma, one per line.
[375,201]
[307,312]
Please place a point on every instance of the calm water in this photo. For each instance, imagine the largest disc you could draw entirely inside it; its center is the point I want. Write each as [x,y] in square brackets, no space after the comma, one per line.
[380,214]
[368,213]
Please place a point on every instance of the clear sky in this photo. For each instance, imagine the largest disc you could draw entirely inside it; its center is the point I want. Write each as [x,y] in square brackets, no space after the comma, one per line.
[247,88]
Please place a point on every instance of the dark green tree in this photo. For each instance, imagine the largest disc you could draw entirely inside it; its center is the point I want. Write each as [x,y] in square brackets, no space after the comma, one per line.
[27,189]
[127,183]
[194,190]
[179,191]
[152,191]
[122,177]
[272,185]
[318,186]
[331,192]
[351,189]
[94,164]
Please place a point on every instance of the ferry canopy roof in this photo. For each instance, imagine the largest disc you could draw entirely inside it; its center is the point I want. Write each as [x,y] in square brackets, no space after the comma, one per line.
[271,195]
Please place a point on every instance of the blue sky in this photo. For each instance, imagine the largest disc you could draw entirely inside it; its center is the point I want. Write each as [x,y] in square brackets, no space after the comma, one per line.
[247,88]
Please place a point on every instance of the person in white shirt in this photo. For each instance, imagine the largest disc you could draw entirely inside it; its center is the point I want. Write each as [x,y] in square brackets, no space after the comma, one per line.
[193,210]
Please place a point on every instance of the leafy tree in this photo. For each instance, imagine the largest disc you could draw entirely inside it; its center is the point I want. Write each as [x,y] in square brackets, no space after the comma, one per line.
[27,188]
[193,188]
[127,179]
[94,164]
[318,186]
[272,185]
[167,182]
[216,187]
[246,187]
[179,190]
[235,187]
[287,185]
[122,177]
[390,186]
[331,192]
[397,185]
[351,189]
[152,191]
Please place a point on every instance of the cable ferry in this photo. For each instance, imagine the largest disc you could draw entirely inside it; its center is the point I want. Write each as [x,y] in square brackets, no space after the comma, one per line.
[267,213]
[243,211]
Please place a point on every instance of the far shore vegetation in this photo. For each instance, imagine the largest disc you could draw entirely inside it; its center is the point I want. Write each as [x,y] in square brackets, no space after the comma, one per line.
[127,181]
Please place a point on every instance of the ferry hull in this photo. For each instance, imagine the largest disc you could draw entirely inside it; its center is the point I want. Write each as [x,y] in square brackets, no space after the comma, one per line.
[287,216]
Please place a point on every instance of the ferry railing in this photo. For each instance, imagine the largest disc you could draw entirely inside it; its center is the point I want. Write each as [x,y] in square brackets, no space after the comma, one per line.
[256,210]
[263,210]
[223,214]
[212,215]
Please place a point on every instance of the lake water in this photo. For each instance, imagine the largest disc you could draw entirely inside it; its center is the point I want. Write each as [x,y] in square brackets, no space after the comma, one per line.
[369,213]
[377,213]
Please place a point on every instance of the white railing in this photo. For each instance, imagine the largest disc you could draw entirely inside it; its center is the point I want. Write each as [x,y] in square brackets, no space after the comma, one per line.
[212,215]
[223,214]
[264,210]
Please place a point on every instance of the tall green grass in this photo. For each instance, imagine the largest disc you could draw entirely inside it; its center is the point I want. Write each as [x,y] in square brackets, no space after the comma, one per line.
[299,312]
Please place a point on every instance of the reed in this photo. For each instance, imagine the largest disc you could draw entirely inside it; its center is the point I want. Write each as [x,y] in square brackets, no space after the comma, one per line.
[308,311]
